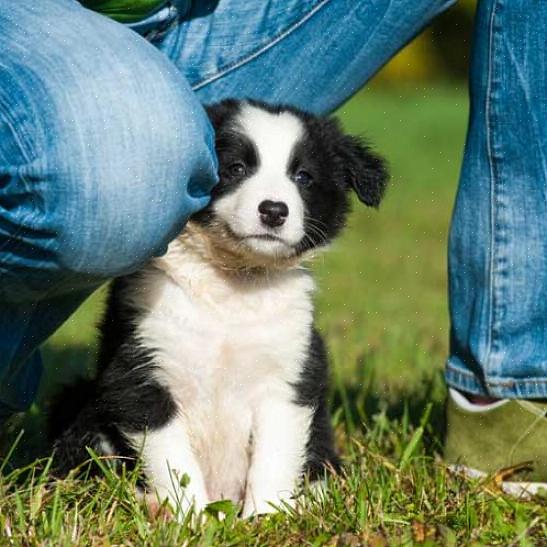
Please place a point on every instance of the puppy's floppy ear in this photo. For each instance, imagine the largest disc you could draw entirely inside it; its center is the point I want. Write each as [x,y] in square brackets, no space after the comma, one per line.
[361,168]
[354,165]
[220,113]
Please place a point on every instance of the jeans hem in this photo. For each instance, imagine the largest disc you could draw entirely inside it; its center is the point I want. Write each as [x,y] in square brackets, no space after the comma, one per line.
[458,376]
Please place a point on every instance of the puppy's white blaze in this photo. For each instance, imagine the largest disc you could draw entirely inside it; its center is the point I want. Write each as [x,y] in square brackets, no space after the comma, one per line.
[275,137]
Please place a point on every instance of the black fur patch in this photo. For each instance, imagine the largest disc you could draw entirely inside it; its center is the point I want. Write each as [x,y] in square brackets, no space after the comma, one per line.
[123,398]
[312,390]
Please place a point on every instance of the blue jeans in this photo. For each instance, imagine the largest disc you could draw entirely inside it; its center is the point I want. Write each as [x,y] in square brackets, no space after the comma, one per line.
[105,151]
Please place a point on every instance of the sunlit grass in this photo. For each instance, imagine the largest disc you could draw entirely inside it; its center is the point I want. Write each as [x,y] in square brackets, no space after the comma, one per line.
[382,307]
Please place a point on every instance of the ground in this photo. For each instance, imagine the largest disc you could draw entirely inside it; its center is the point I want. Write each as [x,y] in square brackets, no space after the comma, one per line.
[383,310]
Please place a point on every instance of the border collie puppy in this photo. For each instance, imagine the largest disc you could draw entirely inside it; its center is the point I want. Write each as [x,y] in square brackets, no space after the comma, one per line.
[210,367]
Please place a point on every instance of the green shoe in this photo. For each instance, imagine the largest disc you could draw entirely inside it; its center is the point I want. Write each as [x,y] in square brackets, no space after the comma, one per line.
[504,435]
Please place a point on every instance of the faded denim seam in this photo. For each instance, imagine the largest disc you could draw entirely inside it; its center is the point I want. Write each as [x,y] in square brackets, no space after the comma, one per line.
[495,271]
[262,49]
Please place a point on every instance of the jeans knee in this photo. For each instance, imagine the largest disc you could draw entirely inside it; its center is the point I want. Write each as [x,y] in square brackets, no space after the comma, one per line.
[143,164]
[133,192]
[111,151]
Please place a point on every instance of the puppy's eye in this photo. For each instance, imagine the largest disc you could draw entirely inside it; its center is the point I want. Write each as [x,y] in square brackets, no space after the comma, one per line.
[303,178]
[238,169]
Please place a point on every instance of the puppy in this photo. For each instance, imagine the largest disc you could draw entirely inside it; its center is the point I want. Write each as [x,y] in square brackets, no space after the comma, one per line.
[210,367]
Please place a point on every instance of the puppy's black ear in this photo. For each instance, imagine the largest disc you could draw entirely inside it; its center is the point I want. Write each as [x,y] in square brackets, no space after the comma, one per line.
[220,113]
[366,171]
[362,169]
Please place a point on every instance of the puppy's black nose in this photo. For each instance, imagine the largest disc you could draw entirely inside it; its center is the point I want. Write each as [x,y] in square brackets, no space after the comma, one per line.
[273,213]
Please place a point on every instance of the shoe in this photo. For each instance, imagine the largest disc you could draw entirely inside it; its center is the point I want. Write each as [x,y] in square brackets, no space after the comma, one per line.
[506,439]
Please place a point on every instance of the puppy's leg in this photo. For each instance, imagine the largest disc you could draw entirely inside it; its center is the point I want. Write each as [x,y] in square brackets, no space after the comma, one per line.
[169,461]
[280,435]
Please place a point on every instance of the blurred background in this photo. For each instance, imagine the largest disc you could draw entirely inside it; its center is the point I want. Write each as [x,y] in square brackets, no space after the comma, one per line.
[382,296]
[440,53]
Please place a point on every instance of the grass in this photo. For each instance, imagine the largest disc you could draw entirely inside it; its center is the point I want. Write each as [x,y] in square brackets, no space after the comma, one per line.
[383,310]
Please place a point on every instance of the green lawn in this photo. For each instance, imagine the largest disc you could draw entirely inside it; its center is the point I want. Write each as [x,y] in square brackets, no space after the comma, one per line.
[382,307]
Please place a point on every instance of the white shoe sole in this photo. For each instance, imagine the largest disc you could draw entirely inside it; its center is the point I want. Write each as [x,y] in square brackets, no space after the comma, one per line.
[524,490]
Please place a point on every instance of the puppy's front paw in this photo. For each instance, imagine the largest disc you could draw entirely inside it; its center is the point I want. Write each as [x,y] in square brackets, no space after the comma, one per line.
[167,505]
[264,505]
[156,509]
[251,509]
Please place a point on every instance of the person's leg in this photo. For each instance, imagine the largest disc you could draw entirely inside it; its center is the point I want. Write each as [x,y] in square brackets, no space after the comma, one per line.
[498,239]
[313,54]
[104,153]
[498,255]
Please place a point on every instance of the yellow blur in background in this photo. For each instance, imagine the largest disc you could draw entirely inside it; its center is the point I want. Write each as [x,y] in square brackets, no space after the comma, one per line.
[441,52]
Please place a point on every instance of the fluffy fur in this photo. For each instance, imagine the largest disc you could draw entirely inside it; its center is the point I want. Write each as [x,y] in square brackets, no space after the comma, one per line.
[210,364]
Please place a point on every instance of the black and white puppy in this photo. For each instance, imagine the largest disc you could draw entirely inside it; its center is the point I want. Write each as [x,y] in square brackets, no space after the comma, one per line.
[210,365]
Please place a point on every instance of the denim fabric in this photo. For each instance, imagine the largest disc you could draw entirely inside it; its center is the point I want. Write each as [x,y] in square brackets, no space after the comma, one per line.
[498,240]
[105,152]
[313,54]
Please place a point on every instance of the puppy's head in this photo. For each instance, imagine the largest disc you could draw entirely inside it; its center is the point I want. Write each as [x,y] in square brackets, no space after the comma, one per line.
[285,181]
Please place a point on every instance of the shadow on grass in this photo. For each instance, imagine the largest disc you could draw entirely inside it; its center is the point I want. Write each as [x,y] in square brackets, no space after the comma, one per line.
[26,435]
[359,398]
[356,401]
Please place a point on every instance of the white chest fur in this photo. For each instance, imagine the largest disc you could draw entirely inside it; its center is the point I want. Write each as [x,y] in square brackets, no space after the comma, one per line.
[222,347]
